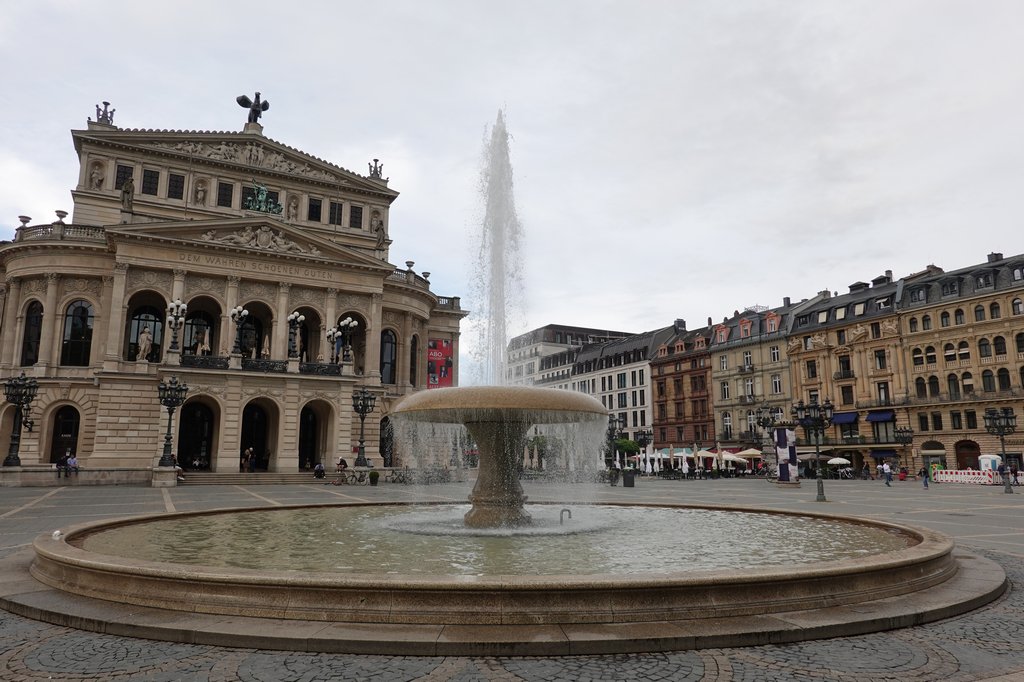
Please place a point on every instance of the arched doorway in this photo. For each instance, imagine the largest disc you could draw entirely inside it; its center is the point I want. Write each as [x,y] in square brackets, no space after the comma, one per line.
[255,429]
[66,421]
[308,432]
[387,442]
[196,437]
[967,453]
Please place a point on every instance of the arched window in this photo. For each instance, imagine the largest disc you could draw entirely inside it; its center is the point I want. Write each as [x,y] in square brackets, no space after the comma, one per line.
[414,356]
[933,386]
[944,319]
[979,313]
[964,350]
[918,357]
[913,324]
[999,344]
[984,348]
[1018,307]
[1003,379]
[1018,274]
[988,381]
[958,316]
[142,318]
[967,381]
[926,322]
[198,334]
[388,354]
[929,355]
[953,384]
[922,387]
[33,332]
[77,341]
[993,311]
[949,353]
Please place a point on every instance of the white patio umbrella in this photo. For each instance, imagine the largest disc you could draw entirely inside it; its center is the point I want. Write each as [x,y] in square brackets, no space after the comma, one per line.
[839,460]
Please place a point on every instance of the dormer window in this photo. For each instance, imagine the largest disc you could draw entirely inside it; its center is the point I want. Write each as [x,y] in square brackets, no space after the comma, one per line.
[823,317]
[950,288]
[984,280]
[858,309]
[883,303]
[841,313]
[917,296]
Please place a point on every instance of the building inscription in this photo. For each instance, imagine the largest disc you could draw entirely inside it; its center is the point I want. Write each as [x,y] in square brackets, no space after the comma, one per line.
[256,266]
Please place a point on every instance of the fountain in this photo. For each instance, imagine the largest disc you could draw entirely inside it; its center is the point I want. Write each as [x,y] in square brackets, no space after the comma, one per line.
[498,419]
[866,576]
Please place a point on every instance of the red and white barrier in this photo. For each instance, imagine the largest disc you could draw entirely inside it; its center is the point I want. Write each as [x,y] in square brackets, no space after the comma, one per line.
[986,477]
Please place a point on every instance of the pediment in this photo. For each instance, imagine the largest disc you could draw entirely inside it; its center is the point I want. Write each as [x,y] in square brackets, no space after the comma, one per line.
[251,154]
[264,236]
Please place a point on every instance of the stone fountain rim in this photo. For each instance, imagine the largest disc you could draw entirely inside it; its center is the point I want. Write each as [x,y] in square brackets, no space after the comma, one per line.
[446,401]
[929,545]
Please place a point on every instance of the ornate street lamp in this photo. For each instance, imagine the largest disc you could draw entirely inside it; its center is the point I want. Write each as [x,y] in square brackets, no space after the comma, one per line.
[172,395]
[765,421]
[238,315]
[904,436]
[614,424]
[362,403]
[294,320]
[1000,423]
[815,419]
[175,318]
[346,328]
[20,392]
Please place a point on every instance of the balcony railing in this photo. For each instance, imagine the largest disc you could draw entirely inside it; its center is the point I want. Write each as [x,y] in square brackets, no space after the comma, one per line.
[269,366]
[61,231]
[844,374]
[320,368]
[745,369]
[204,362]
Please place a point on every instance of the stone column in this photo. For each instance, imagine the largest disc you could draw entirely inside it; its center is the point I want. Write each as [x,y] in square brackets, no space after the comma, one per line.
[226,338]
[100,330]
[371,361]
[11,307]
[279,342]
[117,306]
[330,319]
[178,287]
[51,321]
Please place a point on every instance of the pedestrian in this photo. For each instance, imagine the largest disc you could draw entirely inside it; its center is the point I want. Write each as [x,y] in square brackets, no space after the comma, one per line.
[923,473]
[1013,472]
[887,474]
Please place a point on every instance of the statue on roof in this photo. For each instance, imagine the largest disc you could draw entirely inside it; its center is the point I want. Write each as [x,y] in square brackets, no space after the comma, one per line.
[256,108]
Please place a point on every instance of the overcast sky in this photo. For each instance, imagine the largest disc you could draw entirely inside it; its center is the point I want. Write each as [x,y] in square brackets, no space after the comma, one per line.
[672,159]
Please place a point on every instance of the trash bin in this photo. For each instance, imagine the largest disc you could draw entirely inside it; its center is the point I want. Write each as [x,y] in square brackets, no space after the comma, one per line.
[627,479]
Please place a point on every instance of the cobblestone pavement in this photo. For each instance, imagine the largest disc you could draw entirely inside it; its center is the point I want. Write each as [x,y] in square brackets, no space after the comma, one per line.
[982,645]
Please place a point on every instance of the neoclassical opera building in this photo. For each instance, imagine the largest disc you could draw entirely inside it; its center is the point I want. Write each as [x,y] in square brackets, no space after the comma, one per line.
[223,222]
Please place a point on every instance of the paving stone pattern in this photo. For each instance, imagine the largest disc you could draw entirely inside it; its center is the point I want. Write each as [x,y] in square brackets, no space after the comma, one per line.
[982,645]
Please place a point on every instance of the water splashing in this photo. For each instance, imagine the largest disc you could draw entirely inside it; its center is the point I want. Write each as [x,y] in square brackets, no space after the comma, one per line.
[498,287]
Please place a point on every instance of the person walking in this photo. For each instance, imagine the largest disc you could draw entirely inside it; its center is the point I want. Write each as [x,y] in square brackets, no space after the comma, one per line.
[887,474]
[923,473]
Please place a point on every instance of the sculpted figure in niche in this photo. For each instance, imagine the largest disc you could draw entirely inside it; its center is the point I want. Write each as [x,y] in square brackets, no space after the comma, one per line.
[145,344]
[200,194]
[203,342]
[293,208]
[96,177]
[127,194]
[266,348]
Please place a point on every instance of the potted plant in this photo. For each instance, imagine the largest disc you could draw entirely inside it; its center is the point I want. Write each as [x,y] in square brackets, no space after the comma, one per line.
[374,475]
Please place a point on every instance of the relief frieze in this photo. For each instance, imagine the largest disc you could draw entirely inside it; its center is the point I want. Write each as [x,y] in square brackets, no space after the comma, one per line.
[251,154]
[262,238]
[255,267]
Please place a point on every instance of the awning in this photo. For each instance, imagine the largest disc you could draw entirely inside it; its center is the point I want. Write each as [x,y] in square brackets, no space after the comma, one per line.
[845,417]
[882,416]
[883,454]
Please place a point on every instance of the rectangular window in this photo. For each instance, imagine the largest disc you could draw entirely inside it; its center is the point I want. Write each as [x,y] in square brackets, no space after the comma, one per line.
[956,420]
[840,313]
[679,433]
[661,389]
[641,375]
[972,419]
[175,186]
[922,422]
[621,397]
[633,396]
[773,326]
[123,173]
[632,378]
[725,390]
[775,354]
[812,369]
[776,384]
[355,217]
[936,421]
[723,362]
[225,194]
[846,395]
[917,296]
[823,317]
[313,212]
[841,337]
[883,392]
[880,359]
[876,330]
[679,410]
[334,214]
[621,378]
[150,182]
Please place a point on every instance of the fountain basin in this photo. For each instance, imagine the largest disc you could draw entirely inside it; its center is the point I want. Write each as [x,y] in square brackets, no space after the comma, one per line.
[672,595]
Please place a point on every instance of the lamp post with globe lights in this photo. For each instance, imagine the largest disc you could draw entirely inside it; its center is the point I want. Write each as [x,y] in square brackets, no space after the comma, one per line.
[815,419]
[904,435]
[362,402]
[238,316]
[294,321]
[175,318]
[1002,423]
[346,328]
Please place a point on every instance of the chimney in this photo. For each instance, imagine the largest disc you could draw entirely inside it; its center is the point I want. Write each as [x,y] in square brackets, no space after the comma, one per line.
[709,321]
[993,257]
[858,286]
[680,325]
[826,294]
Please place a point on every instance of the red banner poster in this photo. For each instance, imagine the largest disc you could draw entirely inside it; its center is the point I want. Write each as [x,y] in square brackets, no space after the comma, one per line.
[439,363]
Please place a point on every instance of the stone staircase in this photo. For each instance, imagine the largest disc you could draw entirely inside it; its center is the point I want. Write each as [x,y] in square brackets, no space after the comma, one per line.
[259,478]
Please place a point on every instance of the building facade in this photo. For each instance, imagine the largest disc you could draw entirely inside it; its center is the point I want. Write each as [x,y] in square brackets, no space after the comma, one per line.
[224,223]
[526,352]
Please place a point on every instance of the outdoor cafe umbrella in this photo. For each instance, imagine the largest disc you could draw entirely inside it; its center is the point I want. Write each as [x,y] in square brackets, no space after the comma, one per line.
[839,460]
